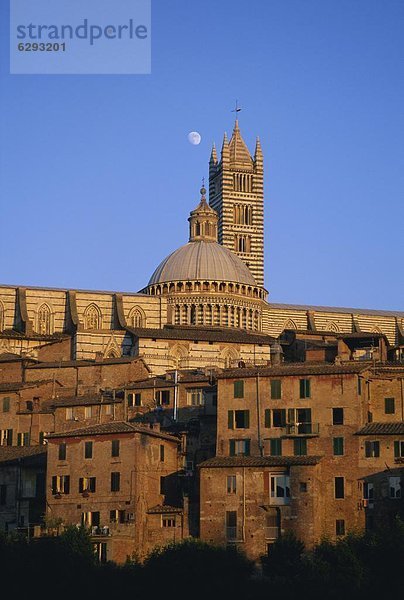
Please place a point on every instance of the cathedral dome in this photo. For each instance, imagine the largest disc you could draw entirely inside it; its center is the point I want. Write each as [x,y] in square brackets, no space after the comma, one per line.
[202,260]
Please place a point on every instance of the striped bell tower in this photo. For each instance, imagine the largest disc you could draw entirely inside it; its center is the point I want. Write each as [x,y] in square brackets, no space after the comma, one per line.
[236,192]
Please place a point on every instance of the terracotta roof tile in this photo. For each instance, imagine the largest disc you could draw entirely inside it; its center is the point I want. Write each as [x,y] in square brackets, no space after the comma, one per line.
[11,453]
[203,334]
[259,461]
[396,428]
[110,428]
[296,369]
[162,509]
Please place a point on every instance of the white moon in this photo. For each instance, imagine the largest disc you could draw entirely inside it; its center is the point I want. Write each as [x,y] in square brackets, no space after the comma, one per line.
[194,138]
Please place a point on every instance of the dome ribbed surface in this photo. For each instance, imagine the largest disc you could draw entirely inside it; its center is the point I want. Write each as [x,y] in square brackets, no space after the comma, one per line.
[202,261]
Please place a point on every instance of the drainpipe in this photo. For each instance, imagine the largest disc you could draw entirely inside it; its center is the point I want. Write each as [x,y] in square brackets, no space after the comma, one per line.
[175,395]
[257,383]
[244,510]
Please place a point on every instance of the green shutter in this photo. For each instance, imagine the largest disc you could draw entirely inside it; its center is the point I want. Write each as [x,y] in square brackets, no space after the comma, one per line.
[308,391]
[239,389]
[302,388]
[9,437]
[291,416]
[67,484]
[276,389]
[247,447]
[267,416]
[54,484]
[396,449]
[247,419]
[6,404]
[230,419]
[232,448]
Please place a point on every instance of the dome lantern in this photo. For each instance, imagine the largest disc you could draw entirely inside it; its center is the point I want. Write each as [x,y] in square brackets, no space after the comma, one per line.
[203,221]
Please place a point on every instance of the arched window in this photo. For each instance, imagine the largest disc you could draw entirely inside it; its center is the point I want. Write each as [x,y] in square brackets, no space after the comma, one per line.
[44,320]
[137,317]
[92,317]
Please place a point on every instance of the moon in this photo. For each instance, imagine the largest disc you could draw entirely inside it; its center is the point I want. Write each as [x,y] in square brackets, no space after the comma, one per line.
[194,138]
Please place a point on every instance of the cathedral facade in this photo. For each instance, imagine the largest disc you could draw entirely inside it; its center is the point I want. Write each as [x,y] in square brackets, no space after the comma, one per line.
[204,305]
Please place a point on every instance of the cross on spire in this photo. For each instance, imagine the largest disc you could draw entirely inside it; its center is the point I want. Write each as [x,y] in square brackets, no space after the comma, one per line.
[236,109]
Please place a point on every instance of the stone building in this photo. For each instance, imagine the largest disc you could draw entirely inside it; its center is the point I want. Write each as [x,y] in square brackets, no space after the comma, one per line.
[293,409]
[344,420]
[214,281]
[121,481]
[22,488]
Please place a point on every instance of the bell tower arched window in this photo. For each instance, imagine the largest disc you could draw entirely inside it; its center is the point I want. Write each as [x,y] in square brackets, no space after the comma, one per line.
[92,317]
[44,320]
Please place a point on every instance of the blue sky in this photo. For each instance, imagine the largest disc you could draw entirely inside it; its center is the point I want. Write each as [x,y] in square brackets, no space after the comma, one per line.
[97,177]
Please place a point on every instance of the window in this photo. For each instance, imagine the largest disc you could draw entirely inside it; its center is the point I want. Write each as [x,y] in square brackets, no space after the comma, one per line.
[162,485]
[92,317]
[239,447]
[162,451]
[62,451]
[115,448]
[6,437]
[337,416]
[88,449]
[231,484]
[368,491]
[108,409]
[239,389]
[168,521]
[90,411]
[394,487]
[29,405]
[339,487]
[372,449]
[23,439]
[238,419]
[340,527]
[276,389]
[117,516]
[61,484]
[231,524]
[338,446]
[300,446]
[6,404]
[163,397]
[279,417]
[44,320]
[303,486]
[195,397]
[359,386]
[3,494]
[273,447]
[267,418]
[305,388]
[280,489]
[69,414]
[115,481]
[87,484]
[134,399]
[399,449]
[90,519]
[389,406]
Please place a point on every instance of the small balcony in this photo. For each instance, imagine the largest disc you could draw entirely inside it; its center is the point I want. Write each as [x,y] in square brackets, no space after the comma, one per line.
[303,429]
[271,533]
